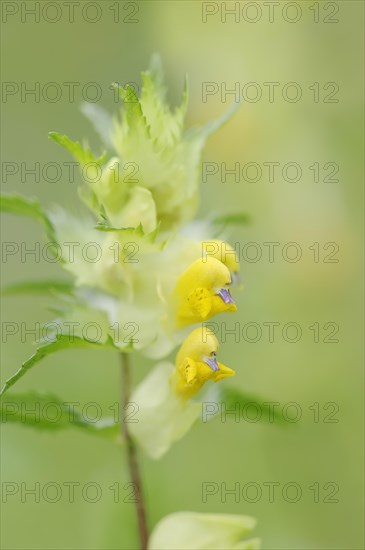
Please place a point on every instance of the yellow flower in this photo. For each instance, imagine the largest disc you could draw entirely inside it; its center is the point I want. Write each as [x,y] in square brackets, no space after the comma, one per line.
[225,253]
[196,363]
[165,412]
[202,291]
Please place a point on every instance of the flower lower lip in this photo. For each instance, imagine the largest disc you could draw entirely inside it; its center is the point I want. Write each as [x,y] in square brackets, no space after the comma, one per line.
[226,296]
[212,363]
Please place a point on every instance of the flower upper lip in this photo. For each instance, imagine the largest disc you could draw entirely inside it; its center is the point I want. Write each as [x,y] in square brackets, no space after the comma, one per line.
[226,296]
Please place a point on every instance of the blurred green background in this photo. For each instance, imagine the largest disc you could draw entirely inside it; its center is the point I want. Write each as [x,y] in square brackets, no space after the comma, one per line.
[305,292]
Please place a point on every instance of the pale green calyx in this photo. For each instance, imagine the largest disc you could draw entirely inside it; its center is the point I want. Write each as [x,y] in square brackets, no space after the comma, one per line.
[193,531]
[153,178]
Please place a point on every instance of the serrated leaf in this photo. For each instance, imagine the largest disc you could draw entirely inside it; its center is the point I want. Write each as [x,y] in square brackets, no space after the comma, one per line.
[108,228]
[102,226]
[164,124]
[138,231]
[232,396]
[82,154]
[22,206]
[128,95]
[156,70]
[61,342]
[49,412]
[134,121]
[132,107]
[38,287]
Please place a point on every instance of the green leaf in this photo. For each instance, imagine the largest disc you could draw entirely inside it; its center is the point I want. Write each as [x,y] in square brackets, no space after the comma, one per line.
[22,206]
[137,231]
[49,412]
[265,409]
[60,342]
[238,218]
[157,73]
[83,155]
[134,121]
[108,228]
[38,287]
[165,125]
[132,106]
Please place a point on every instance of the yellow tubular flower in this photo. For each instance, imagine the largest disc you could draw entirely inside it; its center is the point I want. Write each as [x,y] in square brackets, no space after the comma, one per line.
[196,363]
[202,291]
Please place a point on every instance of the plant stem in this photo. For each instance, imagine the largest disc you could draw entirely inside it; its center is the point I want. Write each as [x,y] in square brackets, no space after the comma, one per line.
[125,392]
